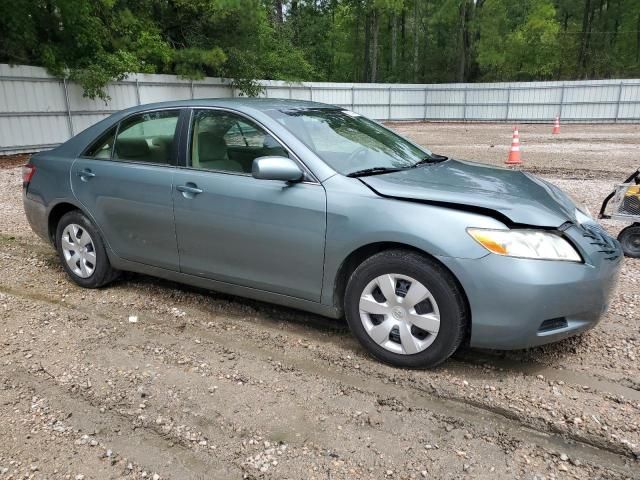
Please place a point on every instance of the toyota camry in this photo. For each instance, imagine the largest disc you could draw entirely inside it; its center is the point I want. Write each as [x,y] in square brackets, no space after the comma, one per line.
[318,208]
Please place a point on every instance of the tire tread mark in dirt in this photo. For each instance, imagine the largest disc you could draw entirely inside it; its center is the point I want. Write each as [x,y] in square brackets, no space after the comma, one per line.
[624,387]
[595,451]
[144,445]
[590,450]
[532,368]
[549,437]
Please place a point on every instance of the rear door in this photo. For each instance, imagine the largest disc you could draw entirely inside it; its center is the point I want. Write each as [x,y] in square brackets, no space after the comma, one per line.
[124,181]
[231,227]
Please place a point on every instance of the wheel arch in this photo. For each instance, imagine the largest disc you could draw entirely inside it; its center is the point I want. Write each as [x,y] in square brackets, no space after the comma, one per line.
[56,213]
[359,255]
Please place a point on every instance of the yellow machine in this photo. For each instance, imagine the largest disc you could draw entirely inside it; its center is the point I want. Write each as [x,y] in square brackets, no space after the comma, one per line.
[624,204]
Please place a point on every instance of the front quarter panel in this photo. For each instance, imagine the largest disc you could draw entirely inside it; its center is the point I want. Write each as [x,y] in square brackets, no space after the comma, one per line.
[357,217]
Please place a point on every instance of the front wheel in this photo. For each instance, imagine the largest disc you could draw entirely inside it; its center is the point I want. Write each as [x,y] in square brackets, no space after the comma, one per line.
[81,251]
[405,309]
[629,238]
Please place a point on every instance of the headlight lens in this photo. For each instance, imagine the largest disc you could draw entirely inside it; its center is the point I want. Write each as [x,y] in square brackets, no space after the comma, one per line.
[535,244]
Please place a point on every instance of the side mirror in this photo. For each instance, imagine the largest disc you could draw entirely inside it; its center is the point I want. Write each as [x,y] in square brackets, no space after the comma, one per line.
[276,168]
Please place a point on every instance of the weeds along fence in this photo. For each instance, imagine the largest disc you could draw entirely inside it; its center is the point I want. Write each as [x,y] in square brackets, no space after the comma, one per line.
[38,111]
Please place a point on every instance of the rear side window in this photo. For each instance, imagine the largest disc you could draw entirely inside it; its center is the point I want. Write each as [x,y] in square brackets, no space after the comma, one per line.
[103,146]
[147,137]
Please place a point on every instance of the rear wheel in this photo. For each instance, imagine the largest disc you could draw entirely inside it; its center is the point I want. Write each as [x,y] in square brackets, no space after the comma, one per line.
[405,309]
[81,251]
[629,238]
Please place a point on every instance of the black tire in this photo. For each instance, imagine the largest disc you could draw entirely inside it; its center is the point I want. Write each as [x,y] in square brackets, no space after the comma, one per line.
[102,273]
[629,238]
[441,284]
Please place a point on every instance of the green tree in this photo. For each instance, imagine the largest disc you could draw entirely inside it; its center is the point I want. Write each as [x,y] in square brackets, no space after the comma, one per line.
[518,41]
[90,42]
[94,42]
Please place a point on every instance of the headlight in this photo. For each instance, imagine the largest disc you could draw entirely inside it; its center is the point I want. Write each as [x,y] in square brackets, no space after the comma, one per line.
[536,244]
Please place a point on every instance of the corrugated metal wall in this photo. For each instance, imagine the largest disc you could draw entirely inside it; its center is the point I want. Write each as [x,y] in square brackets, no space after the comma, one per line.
[38,111]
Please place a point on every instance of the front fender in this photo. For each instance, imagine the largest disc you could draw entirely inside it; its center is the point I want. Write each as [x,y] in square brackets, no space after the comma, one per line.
[357,217]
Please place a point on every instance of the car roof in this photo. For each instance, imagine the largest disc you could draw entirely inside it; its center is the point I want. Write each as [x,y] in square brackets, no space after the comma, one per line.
[245,104]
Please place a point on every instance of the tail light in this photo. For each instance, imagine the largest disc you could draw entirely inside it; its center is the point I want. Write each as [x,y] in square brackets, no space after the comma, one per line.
[28,171]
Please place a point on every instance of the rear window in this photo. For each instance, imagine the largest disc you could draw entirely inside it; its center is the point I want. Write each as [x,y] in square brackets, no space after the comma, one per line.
[147,137]
[103,146]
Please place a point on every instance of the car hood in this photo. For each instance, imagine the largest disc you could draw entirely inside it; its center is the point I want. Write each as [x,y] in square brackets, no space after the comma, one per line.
[519,196]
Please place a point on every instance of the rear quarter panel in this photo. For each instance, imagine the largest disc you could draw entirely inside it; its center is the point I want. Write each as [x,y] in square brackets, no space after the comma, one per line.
[51,184]
[49,187]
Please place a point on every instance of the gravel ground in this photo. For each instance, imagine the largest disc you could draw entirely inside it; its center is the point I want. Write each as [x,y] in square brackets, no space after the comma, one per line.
[205,385]
[580,151]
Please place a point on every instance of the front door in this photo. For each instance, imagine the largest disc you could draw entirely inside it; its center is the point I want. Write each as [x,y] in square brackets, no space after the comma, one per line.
[234,228]
[125,184]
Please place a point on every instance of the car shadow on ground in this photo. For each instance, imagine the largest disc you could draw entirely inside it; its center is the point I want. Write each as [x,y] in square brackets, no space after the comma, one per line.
[337,331]
[552,362]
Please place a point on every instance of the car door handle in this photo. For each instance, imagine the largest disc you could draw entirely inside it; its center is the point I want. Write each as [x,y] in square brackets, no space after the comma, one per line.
[86,174]
[189,190]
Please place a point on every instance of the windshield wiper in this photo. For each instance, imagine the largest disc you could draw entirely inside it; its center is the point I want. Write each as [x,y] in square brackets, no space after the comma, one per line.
[372,171]
[433,158]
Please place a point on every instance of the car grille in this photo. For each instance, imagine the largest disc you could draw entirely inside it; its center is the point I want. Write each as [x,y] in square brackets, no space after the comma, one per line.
[600,238]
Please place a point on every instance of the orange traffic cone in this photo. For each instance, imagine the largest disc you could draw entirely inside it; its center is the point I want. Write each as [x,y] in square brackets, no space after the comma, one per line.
[556,126]
[514,153]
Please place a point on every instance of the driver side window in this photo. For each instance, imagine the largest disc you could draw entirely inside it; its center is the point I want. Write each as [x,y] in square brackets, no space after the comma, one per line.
[224,141]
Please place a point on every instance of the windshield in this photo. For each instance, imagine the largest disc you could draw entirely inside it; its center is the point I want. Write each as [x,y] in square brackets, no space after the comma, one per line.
[349,142]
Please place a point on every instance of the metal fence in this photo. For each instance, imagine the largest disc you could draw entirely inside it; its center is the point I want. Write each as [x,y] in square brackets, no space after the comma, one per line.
[38,111]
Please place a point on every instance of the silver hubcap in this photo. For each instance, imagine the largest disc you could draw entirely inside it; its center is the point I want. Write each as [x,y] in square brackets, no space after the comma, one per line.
[78,250]
[399,314]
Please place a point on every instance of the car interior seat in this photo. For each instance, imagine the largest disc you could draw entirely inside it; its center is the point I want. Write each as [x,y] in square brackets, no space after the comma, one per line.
[212,154]
[132,149]
[161,149]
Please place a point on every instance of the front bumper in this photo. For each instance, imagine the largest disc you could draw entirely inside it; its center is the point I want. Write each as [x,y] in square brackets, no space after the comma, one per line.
[510,298]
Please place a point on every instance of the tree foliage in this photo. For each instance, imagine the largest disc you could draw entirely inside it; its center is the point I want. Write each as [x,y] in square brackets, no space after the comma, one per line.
[93,42]
[528,45]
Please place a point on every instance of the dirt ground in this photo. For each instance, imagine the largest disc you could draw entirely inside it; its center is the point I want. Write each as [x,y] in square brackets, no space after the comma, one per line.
[580,151]
[205,385]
